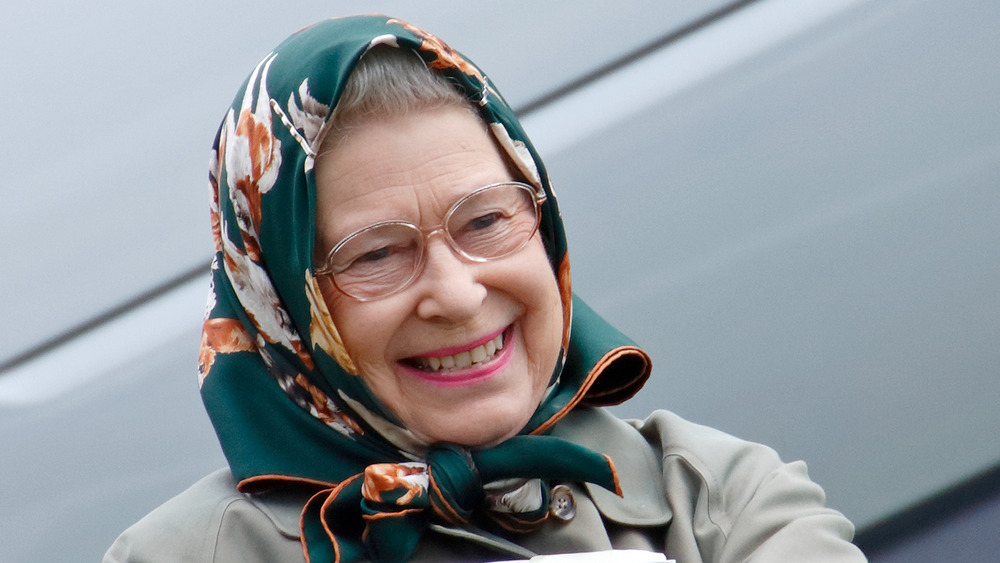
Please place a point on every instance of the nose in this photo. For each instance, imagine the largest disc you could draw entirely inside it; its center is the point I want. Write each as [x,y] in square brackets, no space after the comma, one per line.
[448,287]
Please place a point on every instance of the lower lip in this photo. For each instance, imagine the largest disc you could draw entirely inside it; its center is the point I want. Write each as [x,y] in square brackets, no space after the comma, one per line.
[470,375]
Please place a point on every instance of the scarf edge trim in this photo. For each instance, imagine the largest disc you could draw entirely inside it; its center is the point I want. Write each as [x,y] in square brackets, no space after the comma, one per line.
[609,358]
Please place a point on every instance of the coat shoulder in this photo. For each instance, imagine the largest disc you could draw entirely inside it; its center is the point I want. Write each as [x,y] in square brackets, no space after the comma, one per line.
[723,498]
[211,521]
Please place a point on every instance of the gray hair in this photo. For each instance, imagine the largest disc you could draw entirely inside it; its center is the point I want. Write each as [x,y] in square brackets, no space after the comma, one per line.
[390,82]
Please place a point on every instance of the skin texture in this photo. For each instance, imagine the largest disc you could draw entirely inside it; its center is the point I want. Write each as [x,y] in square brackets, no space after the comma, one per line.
[414,168]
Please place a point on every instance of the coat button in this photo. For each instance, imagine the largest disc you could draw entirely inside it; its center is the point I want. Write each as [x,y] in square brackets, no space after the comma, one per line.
[563,505]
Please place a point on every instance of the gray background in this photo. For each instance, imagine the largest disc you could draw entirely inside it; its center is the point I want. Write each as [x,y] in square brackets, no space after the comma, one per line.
[794,209]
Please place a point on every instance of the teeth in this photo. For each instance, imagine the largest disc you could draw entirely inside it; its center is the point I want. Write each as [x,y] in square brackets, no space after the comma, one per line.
[478,354]
[462,360]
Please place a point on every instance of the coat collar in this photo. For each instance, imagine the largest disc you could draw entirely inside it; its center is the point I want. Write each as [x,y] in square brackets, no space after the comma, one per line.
[644,499]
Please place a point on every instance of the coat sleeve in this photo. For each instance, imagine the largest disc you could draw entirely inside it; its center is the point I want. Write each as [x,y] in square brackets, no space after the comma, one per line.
[786,520]
[736,501]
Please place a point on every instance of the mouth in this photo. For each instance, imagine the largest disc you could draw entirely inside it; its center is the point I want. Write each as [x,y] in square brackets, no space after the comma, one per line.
[452,360]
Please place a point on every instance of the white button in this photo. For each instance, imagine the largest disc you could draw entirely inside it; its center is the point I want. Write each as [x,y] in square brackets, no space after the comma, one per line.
[563,505]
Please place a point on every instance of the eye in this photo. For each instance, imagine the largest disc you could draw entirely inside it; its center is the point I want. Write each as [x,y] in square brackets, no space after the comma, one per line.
[483,221]
[373,255]
[382,257]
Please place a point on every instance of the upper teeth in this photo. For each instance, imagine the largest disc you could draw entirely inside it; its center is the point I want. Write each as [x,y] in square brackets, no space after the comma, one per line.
[462,360]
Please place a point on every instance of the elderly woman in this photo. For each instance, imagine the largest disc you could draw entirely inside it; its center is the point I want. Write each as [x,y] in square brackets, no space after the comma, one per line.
[393,359]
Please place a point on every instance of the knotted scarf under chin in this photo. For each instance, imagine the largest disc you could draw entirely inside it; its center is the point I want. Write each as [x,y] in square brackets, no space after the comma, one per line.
[381,514]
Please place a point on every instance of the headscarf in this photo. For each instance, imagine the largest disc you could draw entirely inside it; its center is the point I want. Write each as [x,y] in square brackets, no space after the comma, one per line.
[279,386]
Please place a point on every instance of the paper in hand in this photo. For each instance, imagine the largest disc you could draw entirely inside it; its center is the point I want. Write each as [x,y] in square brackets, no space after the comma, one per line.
[613,556]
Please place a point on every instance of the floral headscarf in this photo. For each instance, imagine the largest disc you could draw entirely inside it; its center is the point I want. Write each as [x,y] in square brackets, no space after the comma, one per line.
[280,388]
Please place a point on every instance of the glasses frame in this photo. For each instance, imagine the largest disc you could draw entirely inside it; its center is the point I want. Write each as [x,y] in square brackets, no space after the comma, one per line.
[538,197]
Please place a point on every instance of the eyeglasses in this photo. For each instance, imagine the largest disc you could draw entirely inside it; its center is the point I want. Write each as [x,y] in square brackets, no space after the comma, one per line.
[384,258]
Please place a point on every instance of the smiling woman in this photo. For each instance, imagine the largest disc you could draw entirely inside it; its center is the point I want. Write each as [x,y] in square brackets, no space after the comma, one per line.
[393,359]
[417,167]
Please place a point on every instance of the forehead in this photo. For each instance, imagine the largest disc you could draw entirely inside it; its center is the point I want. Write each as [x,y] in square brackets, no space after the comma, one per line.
[411,167]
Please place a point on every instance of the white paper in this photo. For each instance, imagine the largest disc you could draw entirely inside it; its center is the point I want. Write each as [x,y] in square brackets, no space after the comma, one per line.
[613,556]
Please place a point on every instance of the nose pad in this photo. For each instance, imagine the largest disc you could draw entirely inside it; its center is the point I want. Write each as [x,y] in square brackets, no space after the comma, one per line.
[449,287]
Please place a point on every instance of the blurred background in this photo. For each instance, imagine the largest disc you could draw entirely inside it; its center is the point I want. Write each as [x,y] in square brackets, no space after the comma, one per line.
[793,206]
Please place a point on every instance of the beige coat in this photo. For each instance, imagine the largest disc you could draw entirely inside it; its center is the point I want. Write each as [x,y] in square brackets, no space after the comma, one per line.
[690,491]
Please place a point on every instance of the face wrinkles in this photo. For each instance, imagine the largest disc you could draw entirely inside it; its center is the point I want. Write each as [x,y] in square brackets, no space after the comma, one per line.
[384,200]
[414,168]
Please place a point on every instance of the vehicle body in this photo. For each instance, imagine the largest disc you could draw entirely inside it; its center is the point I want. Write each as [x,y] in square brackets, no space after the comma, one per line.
[793,206]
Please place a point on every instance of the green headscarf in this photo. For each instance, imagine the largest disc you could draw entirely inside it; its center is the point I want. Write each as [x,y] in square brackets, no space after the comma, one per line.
[280,388]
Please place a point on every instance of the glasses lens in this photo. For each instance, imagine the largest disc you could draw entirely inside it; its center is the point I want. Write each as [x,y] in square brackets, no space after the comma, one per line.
[377,260]
[494,222]
[385,257]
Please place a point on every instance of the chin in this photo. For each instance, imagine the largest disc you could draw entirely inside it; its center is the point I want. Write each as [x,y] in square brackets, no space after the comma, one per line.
[478,432]
[490,439]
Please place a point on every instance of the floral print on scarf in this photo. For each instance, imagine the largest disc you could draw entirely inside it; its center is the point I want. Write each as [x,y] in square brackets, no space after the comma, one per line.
[284,395]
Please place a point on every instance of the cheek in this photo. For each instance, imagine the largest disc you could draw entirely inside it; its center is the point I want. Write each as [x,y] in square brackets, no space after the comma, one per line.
[350,323]
[553,321]
[336,305]
[547,322]
[329,292]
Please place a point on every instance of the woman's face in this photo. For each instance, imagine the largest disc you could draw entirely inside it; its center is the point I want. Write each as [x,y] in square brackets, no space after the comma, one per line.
[414,168]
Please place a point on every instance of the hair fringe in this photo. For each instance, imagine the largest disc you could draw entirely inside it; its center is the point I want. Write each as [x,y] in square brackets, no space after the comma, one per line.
[390,82]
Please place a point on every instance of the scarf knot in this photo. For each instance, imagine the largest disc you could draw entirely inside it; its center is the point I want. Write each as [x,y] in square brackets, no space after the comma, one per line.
[455,487]
[395,497]
[505,484]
